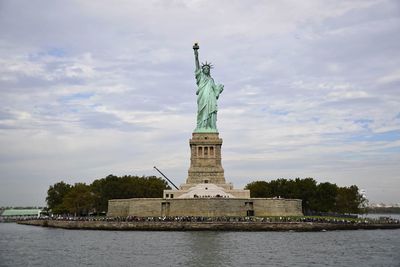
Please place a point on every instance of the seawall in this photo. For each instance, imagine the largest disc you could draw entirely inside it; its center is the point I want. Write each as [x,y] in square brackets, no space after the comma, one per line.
[204,226]
[204,207]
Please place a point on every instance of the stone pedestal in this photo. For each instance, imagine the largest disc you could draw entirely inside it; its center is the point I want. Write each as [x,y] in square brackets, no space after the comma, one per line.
[205,160]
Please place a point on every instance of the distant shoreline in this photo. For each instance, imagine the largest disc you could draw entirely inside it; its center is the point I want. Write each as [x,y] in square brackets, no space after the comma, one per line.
[384,210]
[204,226]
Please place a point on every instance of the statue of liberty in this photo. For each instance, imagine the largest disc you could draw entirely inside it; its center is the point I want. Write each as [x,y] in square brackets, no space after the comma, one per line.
[207,94]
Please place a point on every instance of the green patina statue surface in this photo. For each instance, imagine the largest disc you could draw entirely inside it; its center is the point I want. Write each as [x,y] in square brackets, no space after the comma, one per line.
[207,95]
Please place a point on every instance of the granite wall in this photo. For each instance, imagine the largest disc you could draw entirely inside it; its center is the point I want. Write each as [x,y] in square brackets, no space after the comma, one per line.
[209,207]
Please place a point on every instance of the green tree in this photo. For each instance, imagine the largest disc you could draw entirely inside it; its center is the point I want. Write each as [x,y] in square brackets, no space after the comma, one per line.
[79,200]
[325,197]
[55,196]
[259,189]
[349,200]
[305,189]
[280,188]
[114,187]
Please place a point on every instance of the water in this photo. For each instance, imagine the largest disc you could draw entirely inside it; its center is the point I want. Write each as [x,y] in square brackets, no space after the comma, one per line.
[22,245]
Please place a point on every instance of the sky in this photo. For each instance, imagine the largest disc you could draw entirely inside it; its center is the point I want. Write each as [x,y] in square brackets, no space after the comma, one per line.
[92,88]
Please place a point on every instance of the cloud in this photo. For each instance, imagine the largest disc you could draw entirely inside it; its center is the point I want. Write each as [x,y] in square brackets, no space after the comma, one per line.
[311,89]
[390,78]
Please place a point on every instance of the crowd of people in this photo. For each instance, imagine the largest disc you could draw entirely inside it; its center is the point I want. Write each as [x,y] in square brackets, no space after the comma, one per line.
[275,219]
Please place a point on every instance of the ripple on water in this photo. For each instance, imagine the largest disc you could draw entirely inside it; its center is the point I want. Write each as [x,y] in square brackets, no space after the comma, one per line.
[22,245]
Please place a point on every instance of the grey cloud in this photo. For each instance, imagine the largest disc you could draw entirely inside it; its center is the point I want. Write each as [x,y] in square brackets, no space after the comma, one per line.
[299,77]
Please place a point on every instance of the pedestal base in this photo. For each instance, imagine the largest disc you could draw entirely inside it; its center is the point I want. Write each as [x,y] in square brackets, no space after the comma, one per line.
[205,159]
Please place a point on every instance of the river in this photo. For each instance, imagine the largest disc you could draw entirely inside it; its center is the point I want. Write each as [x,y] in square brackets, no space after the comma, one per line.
[22,245]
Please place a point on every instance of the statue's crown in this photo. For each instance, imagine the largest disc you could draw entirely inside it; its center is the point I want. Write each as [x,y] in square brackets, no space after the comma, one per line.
[207,64]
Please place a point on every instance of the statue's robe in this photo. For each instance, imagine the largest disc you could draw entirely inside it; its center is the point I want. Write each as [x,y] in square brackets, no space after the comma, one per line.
[207,95]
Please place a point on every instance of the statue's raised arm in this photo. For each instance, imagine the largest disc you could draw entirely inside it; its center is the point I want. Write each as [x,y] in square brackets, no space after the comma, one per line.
[196,55]
[207,94]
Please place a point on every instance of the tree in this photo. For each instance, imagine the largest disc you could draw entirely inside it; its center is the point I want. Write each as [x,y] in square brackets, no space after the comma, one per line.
[325,197]
[113,187]
[55,197]
[259,189]
[305,189]
[349,200]
[79,200]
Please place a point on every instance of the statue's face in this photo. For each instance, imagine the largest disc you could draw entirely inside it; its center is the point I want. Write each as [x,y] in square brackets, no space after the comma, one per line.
[206,70]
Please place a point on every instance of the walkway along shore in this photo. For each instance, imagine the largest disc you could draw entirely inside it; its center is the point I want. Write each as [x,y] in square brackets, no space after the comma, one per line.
[205,226]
